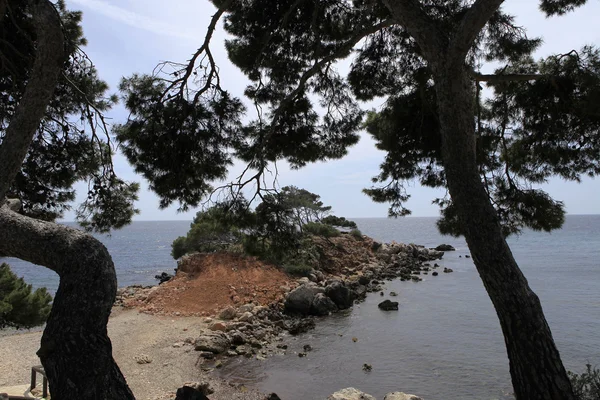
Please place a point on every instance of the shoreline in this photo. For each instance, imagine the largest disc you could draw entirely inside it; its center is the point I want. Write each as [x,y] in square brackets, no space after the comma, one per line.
[250,330]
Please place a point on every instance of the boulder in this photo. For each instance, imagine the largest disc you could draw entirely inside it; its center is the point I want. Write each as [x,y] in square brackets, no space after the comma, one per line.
[444,247]
[227,314]
[216,342]
[246,317]
[190,393]
[363,280]
[341,295]
[350,394]
[388,305]
[300,299]
[322,305]
[401,396]
[218,326]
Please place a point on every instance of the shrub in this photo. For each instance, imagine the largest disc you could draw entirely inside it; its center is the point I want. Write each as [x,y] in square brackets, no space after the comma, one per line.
[19,307]
[357,234]
[586,386]
[297,269]
[179,247]
[319,229]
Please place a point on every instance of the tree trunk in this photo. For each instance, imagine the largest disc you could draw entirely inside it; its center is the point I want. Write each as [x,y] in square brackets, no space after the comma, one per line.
[75,349]
[536,369]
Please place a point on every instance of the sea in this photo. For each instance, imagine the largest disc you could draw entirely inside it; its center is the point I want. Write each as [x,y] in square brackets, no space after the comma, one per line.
[445,341]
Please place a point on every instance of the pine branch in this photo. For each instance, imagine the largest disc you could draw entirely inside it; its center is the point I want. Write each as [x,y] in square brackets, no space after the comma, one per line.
[497,78]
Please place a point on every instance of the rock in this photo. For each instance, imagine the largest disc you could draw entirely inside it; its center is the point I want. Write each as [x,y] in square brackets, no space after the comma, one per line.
[246,317]
[307,347]
[163,277]
[189,393]
[467,256]
[227,314]
[301,355]
[388,305]
[203,386]
[434,273]
[341,295]
[300,299]
[448,270]
[215,342]
[209,355]
[244,349]
[363,280]
[381,293]
[367,367]
[218,326]
[282,346]
[401,396]
[238,338]
[272,396]
[313,278]
[245,308]
[218,364]
[393,294]
[444,247]
[375,246]
[142,359]
[296,326]
[322,305]
[350,394]
[178,345]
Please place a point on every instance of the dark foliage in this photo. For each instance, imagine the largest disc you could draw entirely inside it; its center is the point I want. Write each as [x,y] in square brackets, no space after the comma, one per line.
[19,306]
[71,143]
[587,384]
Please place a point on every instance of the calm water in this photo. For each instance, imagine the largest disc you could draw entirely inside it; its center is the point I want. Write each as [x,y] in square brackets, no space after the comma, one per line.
[443,343]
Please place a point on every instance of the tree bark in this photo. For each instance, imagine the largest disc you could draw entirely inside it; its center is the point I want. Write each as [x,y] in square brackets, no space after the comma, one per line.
[49,59]
[75,349]
[536,369]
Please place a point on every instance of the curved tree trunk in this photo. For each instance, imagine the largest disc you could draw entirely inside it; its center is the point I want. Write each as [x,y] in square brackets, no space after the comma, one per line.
[75,349]
[536,369]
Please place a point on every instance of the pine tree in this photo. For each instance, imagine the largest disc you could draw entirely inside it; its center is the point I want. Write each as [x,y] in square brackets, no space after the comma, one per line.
[19,307]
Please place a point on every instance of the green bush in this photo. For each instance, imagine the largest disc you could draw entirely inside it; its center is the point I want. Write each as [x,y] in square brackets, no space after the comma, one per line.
[179,247]
[356,234]
[19,307]
[319,229]
[586,386]
[297,269]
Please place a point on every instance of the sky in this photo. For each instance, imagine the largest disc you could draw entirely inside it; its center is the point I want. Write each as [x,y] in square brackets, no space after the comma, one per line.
[133,36]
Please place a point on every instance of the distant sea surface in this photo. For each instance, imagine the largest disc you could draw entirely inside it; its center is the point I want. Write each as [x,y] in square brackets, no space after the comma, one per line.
[444,343]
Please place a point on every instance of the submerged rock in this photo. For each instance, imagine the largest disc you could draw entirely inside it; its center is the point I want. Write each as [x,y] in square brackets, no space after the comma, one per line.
[445,247]
[350,394]
[401,396]
[388,305]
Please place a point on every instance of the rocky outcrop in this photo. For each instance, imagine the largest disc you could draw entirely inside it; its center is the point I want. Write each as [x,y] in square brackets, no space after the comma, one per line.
[350,394]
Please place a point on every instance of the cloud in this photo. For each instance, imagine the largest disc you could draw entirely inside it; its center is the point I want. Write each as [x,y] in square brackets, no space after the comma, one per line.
[136,20]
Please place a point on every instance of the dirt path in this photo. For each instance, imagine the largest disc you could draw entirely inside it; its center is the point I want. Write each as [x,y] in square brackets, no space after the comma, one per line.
[134,335]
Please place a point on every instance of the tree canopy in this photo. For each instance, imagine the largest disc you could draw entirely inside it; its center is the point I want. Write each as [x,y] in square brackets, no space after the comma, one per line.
[72,142]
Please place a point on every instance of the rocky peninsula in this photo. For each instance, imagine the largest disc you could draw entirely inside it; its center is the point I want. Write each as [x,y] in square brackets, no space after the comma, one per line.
[220,306]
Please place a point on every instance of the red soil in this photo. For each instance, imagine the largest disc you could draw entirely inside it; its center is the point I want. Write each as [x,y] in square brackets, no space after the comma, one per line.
[207,283]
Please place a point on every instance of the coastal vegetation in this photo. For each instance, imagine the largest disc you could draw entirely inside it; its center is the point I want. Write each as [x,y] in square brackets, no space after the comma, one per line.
[278,230]
[19,306]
